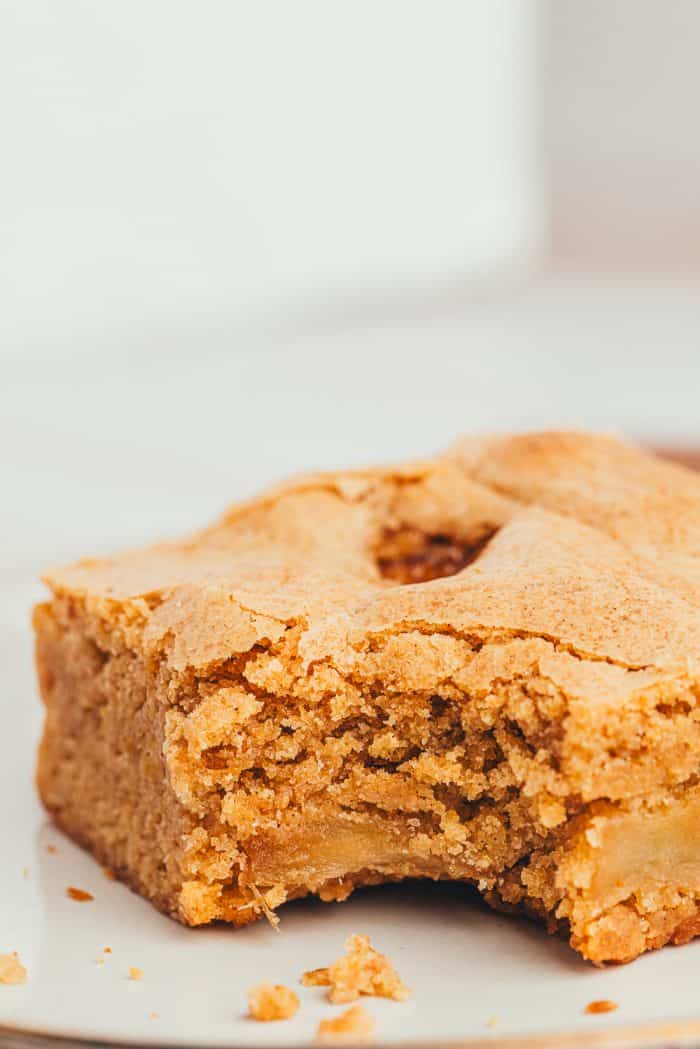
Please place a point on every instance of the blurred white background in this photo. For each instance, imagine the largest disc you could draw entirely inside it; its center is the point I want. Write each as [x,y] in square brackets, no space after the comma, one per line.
[239,239]
[245,154]
[620,85]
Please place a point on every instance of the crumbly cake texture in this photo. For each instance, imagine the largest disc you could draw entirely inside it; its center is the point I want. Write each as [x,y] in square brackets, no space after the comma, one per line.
[11,969]
[270,1001]
[354,1026]
[484,667]
[360,971]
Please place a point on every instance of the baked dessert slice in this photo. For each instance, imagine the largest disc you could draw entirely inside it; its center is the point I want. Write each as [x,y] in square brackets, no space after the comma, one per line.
[480,667]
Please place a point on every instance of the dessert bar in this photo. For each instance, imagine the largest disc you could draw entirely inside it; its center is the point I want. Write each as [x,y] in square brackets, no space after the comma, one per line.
[483,667]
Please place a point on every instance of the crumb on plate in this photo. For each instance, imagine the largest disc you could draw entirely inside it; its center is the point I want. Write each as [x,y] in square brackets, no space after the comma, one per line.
[51,849]
[352,1026]
[604,1005]
[270,1001]
[362,970]
[79,895]
[492,1021]
[106,950]
[135,973]
[154,1016]
[11,969]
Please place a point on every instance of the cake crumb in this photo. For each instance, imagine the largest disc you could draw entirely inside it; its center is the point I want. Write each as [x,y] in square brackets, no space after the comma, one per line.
[316,978]
[602,1006]
[11,969]
[25,872]
[267,902]
[362,970]
[352,1026]
[492,1021]
[106,950]
[51,849]
[154,1016]
[100,961]
[270,1001]
[135,973]
[79,895]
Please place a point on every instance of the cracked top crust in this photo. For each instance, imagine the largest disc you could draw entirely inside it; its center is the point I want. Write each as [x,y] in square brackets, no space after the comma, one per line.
[580,544]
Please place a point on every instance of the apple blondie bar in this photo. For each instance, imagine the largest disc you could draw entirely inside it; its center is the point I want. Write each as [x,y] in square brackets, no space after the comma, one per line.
[483,667]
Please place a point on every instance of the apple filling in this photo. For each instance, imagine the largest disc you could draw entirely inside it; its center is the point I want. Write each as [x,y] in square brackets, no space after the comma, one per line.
[409,555]
[344,848]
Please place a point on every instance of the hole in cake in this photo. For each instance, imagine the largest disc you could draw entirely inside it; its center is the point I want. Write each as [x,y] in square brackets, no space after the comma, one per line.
[409,555]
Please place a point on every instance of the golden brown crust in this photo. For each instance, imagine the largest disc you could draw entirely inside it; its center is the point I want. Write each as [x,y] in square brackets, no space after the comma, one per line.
[436,670]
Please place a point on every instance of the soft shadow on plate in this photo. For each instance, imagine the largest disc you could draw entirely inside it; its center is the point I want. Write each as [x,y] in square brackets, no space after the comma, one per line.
[447,907]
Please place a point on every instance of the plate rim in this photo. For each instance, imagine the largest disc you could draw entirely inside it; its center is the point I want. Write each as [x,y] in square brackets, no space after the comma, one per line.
[657,1035]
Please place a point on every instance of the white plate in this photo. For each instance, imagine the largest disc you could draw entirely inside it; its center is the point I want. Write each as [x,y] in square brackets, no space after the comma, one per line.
[464,963]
